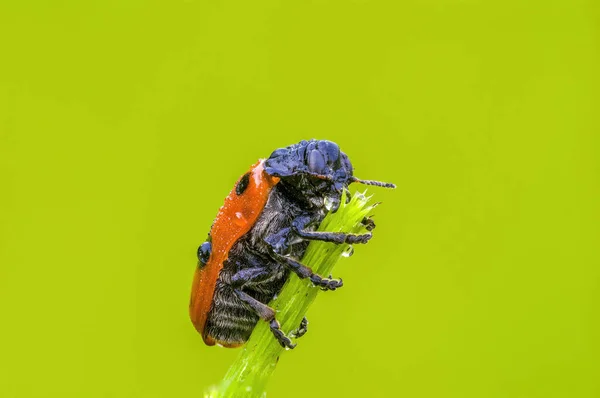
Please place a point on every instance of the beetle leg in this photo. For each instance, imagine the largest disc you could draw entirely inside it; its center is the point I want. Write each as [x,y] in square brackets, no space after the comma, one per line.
[302,329]
[280,241]
[334,237]
[249,276]
[300,223]
[368,223]
[267,314]
[305,272]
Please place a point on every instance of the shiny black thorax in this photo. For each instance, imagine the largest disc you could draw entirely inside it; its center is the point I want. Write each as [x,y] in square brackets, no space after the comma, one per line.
[253,265]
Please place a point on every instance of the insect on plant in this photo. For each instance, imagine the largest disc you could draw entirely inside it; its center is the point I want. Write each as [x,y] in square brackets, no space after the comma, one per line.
[260,234]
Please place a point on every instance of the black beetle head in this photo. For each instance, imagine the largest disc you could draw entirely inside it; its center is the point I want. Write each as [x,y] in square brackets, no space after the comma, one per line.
[315,171]
[318,158]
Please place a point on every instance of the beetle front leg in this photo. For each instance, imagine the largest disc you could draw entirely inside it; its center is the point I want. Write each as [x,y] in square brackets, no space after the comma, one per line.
[301,222]
[368,223]
[267,314]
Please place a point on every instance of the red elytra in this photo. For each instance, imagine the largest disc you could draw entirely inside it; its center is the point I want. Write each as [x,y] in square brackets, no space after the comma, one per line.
[235,218]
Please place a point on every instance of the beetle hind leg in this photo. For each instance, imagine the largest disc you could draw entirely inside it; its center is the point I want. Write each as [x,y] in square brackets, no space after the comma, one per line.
[267,314]
[302,329]
[283,340]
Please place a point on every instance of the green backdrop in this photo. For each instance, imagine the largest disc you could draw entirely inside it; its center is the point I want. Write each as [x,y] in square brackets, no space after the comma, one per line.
[124,124]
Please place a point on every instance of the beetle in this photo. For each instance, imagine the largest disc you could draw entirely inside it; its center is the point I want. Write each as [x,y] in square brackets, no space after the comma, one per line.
[260,234]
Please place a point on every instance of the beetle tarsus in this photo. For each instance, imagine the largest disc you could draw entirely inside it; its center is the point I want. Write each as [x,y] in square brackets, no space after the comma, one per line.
[267,314]
[368,223]
[326,283]
[283,340]
[304,272]
[302,329]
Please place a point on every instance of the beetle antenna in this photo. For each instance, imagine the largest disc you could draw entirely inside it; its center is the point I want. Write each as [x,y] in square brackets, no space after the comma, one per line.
[372,182]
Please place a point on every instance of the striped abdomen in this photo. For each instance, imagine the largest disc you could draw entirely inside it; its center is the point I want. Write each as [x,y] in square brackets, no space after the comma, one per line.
[230,321]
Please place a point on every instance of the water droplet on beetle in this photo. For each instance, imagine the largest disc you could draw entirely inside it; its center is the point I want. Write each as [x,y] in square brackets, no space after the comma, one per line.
[348,252]
[240,219]
[328,202]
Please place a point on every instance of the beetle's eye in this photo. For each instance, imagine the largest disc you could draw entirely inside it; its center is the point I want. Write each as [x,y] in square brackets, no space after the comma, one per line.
[204,254]
[316,162]
[330,149]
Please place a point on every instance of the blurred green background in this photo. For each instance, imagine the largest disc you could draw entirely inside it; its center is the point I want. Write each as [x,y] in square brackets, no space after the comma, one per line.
[124,124]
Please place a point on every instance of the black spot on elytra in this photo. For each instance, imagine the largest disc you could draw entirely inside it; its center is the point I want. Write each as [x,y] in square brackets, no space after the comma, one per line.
[242,184]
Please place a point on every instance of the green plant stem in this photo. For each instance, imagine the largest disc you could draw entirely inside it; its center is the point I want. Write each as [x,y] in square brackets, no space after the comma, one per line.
[249,374]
